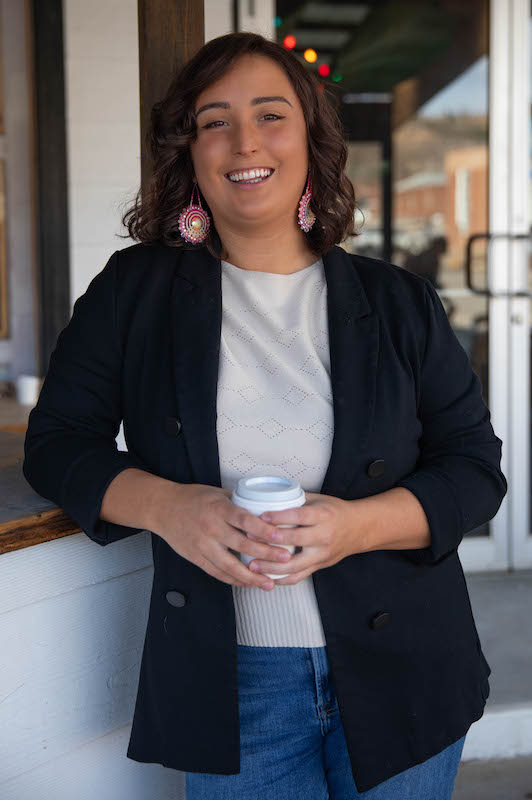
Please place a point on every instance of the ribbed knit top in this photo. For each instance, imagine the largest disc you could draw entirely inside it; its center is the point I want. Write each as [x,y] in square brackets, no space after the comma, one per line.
[275,416]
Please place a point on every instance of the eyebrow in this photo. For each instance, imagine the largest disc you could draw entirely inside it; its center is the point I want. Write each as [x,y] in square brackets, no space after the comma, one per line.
[254,102]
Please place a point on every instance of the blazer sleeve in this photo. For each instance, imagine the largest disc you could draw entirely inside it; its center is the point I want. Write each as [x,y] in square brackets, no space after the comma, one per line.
[70,452]
[458,478]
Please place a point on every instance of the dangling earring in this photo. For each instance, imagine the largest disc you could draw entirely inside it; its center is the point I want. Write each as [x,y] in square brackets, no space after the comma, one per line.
[194,221]
[306,218]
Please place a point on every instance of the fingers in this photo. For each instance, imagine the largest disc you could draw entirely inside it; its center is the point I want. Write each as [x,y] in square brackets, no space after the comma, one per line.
[248,523]
[300,561]
[242,544]
[232,564]
[290,580]
[228,568]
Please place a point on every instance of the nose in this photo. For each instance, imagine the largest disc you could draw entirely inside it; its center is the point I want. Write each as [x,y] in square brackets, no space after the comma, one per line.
[245,138]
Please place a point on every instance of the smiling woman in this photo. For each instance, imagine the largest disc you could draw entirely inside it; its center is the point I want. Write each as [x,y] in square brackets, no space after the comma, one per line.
[213,123]
[263,347]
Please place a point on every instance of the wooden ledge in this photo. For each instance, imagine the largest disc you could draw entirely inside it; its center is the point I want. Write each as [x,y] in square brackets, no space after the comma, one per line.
[43,526]
[26,518]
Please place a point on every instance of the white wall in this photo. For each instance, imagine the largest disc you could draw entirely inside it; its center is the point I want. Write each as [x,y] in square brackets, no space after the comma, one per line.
[72,622]
[103,129]
[218,18]
[261,21]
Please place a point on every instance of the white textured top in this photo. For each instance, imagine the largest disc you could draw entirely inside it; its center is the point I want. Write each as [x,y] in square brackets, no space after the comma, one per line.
[275,416]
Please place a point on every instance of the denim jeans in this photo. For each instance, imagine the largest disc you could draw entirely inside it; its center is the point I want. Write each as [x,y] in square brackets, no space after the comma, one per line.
[292,740]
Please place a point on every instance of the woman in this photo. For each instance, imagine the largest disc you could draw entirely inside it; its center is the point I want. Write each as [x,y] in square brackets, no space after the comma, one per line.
[238,338]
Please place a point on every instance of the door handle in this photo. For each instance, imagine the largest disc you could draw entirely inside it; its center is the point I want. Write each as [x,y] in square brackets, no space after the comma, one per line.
[469,277]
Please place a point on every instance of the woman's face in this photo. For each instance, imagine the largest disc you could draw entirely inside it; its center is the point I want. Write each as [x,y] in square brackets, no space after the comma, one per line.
[266,134]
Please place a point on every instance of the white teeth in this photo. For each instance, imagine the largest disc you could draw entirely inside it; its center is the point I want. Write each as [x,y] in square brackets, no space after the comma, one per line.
[252,174]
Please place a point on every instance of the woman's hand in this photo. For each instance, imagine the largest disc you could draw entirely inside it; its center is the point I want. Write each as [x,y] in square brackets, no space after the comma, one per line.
[327,535]
[202,524]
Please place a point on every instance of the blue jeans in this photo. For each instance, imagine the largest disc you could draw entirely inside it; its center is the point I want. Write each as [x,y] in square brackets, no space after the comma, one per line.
[292,740]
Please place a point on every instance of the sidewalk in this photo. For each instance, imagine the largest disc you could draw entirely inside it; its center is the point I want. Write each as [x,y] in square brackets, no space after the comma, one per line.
[502,608]
[497,759]
[501,779]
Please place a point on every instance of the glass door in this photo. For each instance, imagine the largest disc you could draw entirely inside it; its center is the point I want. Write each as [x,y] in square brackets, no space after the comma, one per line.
[506,284]
[420,118]
[435,102]
[432,99]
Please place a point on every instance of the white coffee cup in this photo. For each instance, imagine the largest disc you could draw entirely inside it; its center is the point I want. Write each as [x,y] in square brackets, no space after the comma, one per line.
[260,493]
[27,388]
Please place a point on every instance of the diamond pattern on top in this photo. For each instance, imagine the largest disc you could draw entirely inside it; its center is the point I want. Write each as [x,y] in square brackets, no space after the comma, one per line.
[274,400]
[271,428]
[286,337]
[295,395]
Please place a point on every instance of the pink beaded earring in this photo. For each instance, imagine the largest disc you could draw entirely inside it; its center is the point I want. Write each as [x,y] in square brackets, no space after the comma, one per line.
[194,221]
[306,218]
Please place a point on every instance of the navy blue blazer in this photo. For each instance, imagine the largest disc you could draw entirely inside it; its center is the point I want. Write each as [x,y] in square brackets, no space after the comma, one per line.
[142,346]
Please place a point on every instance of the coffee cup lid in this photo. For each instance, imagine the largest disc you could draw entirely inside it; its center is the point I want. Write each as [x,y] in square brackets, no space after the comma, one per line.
[260,487]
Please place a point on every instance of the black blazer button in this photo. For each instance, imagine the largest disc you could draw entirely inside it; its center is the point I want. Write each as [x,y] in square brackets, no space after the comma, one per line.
[376,468]
[176,599]
[380,620]
[172,426]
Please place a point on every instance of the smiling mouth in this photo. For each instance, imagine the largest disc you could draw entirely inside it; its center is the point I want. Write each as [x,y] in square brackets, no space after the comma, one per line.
[259,179]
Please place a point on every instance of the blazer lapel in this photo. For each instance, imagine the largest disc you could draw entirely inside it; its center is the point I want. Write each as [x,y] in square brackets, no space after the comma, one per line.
[196,319]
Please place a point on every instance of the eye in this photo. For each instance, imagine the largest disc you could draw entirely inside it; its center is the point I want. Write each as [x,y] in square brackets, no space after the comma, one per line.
[215,124]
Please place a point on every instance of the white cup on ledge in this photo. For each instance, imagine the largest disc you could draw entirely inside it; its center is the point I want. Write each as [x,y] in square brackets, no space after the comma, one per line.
[27,389]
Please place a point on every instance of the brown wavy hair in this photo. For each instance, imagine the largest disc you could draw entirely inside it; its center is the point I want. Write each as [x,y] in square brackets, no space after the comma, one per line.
[153,216]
